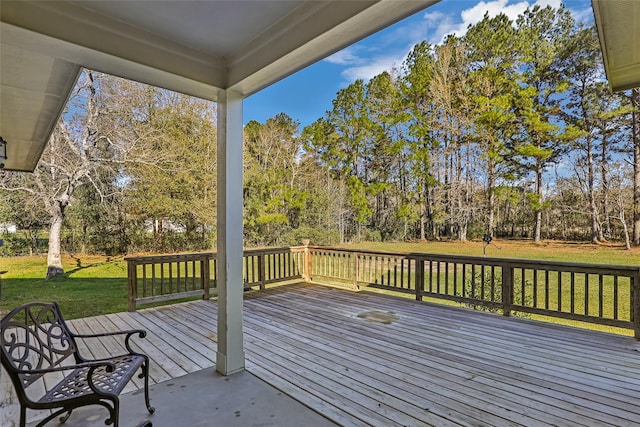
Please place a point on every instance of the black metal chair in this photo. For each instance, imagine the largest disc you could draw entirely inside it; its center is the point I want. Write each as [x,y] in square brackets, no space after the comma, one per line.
[36,342]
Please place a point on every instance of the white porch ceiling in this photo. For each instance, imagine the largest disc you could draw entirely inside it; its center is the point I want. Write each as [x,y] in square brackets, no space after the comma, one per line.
[193,47]
[618,23]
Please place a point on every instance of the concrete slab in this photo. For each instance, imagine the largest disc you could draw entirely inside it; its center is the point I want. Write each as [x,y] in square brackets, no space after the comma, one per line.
[207,398]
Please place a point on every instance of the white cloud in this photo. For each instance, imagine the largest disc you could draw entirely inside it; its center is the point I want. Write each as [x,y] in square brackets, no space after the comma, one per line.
[372,67]
[581,12]
[345,57]
[544,3]
[364,61]
[475,14]
[442,25]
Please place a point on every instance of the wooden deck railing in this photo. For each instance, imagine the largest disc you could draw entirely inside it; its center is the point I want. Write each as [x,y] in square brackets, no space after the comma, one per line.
[169,277]
[599,294]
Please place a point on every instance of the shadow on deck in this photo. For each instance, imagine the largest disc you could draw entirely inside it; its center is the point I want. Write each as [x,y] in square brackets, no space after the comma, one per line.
[366,359]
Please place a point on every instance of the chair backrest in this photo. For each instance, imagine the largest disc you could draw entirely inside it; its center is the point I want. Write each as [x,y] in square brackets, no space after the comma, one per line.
[34,336]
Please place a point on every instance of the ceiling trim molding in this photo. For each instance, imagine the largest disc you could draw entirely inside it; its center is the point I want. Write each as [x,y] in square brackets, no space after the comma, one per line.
[95,41]
[618,26]
[254,69]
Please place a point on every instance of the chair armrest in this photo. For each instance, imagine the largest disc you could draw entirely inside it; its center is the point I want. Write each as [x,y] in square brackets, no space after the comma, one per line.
[129,333]
[141,333]
[93,364]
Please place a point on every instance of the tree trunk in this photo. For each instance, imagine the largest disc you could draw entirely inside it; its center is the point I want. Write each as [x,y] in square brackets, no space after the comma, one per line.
[625,229]
[538,210]
[593,207]
[423,214]
[605,229]
[54,259]
[462,231]
[635,100]
[491,195]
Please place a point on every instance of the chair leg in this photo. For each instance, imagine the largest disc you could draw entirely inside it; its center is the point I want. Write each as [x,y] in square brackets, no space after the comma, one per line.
[54,415]
[23,416]
[145,372]
[114,412]
[65,417]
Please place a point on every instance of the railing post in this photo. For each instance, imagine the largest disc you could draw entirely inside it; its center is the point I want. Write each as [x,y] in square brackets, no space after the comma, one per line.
[356,270]
[635,301]
[261,270]
[306,261]
[215,270]
[507,289]
[204,276]
[132,276]
[419,277]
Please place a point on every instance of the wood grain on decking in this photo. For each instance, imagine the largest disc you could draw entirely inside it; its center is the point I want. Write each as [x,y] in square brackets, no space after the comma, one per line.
[365,359]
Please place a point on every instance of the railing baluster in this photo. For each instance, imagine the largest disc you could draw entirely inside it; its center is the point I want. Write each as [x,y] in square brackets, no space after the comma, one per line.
[178,275]
[455,279]
[634,300]
[431,276]
[559,291]
[395,274]
[132,280]
[600,295]
[507,289]
[535,288]
[573,292]
[523,289]
[615,297]
[204,277]
[464,280]
[586,294]
[419,267]
[546,289]
[493,284]
[261,270]
[144,280]
[482,279]
[473,281]
[355,271]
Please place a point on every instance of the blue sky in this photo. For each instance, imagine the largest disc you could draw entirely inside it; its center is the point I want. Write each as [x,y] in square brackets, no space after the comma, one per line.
[306,95]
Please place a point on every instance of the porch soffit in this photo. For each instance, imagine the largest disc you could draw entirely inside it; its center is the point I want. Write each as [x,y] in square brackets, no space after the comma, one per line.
[618,23]
[193,47]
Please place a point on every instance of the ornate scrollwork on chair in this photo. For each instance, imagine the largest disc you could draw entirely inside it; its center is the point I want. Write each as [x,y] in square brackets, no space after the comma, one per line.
[36,342]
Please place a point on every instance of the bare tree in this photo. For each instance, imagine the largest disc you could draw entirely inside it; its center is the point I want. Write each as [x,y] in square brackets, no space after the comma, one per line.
[88,147]
[68,162]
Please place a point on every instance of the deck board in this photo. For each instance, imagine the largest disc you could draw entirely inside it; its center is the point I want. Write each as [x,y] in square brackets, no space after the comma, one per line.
[478,397]
[429,365]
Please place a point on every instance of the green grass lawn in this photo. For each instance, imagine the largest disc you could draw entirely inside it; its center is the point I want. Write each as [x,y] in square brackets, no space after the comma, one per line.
[91,285]
[95,285]
[548,251]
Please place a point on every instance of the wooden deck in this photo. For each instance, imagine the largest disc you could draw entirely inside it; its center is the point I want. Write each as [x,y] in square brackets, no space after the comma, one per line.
[364,359]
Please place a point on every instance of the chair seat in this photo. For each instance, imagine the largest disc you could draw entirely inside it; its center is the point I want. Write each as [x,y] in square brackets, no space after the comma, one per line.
[76,384]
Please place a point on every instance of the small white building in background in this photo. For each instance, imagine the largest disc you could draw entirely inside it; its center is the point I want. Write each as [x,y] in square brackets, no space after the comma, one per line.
[151,226]
[8,228]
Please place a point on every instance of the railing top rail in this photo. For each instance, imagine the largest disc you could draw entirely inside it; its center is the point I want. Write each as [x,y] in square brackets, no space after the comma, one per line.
[509,262]
[284,249]
[358,251]
[199,255]
[152,258]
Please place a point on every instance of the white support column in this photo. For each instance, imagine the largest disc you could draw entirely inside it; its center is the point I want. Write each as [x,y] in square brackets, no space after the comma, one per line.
[230,356]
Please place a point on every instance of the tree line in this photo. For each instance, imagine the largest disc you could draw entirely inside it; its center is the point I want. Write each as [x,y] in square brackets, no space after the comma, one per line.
[509,130]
